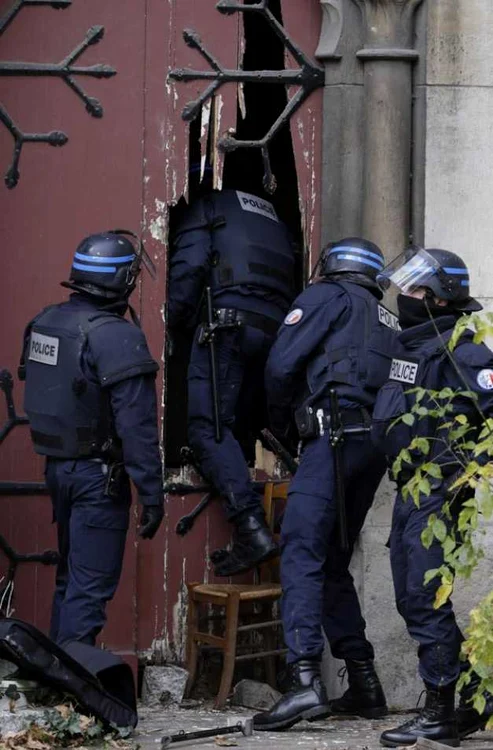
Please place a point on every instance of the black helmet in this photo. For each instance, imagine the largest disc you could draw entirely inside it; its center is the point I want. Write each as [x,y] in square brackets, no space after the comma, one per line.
[354,255]
[107,264]
[444,273]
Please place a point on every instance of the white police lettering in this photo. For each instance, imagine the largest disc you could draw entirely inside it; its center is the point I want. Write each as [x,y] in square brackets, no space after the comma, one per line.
[293,317]
[404,371]
[485,380]
[43,349]
[256,205]
[388,319]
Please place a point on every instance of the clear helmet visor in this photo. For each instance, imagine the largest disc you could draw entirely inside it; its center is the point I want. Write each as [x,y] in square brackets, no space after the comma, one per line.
[410,270]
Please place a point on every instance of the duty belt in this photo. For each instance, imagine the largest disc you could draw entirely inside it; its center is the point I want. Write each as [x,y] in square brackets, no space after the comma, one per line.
[312,421]
[226,315]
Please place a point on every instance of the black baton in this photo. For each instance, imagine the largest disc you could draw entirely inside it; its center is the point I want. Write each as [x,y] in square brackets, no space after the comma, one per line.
[208,337]
[336,436]
[278,449]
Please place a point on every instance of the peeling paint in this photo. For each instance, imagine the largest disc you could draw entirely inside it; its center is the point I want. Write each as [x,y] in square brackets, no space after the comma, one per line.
[158,226]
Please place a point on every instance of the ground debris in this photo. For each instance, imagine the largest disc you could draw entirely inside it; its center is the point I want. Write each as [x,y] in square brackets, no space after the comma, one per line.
[62,726]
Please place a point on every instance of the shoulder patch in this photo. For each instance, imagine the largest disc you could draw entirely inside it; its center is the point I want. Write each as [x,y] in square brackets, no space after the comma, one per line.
[485,380]
[293,317]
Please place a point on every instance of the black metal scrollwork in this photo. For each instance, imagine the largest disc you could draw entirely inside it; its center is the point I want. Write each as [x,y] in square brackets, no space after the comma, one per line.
[309,76]
[66,70]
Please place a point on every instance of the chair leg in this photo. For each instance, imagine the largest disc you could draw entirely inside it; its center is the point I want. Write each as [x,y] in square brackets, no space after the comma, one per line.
[231,636]
[270,645]
[193,651]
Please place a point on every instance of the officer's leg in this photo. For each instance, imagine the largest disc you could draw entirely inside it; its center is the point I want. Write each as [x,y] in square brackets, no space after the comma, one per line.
[55,477]
[435,630]
[98,528]
[223,463]
[343,621]
[306,529]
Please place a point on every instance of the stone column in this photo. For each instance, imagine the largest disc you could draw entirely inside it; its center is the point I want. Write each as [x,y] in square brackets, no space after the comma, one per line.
[342,167]
[388,58]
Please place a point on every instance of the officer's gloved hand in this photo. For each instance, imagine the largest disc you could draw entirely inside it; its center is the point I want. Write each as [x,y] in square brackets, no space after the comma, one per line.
[150,520]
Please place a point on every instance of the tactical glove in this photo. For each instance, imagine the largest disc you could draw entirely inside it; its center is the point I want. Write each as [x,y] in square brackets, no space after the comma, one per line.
[150,520]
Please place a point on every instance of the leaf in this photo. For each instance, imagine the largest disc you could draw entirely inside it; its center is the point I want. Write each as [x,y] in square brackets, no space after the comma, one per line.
[408,419]
[439,530]
[442,595]
[430,575]
[461,418]
[427,537]
[223,741]
[434,470]
[479,703]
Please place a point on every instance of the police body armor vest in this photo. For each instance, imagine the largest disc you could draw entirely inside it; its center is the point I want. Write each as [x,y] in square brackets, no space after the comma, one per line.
[410,370]
[69,414]
[251,246]
[355,359]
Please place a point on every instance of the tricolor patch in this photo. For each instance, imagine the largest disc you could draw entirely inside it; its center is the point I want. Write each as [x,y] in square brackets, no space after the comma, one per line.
[485,380]
[293,317]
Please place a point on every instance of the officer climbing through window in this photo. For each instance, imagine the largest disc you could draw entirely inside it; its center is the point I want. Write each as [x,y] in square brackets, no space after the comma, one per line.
[330,357]
[231,277]
[434,294]
[91,402]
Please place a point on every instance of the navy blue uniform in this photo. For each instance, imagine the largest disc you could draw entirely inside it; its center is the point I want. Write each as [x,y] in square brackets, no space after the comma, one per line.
[234,243]
[336,336]
[424,363]
[90,396]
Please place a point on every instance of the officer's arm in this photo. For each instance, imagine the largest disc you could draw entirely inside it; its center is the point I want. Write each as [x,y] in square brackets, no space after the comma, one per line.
[125,368]
[297,340]
[134,407]
[189,267]
[475,363]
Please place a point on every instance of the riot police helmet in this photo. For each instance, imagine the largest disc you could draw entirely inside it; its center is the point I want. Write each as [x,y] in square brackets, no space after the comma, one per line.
[352,255]
[443,273]
[108,264]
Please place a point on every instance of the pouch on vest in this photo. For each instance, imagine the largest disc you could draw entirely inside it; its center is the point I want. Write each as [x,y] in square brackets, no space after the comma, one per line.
[391,404]
[99,680]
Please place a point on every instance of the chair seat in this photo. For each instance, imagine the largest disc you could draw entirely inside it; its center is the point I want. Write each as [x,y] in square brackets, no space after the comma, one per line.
[246,591]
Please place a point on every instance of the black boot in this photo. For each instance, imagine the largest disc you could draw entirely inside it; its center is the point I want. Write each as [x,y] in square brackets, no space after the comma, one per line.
[252,545]
[307,699]
[436,721]
[468,719]
[365,696]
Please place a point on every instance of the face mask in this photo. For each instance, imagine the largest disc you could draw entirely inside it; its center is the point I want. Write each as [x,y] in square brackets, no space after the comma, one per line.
[414,311]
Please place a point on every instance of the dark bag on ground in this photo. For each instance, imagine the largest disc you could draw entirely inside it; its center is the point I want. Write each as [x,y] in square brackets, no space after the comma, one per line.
[99,680]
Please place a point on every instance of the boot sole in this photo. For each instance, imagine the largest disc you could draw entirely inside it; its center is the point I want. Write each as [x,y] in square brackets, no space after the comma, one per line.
[367,713]
[243,569]
[480,727]
[311,714]
[449,743]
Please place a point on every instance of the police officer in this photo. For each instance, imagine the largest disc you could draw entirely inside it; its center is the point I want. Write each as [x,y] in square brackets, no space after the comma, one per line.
[234,243]
[434,294]
[337,336]
[91,402]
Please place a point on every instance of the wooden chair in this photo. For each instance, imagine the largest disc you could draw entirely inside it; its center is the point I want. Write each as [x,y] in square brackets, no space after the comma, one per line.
[231,596]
